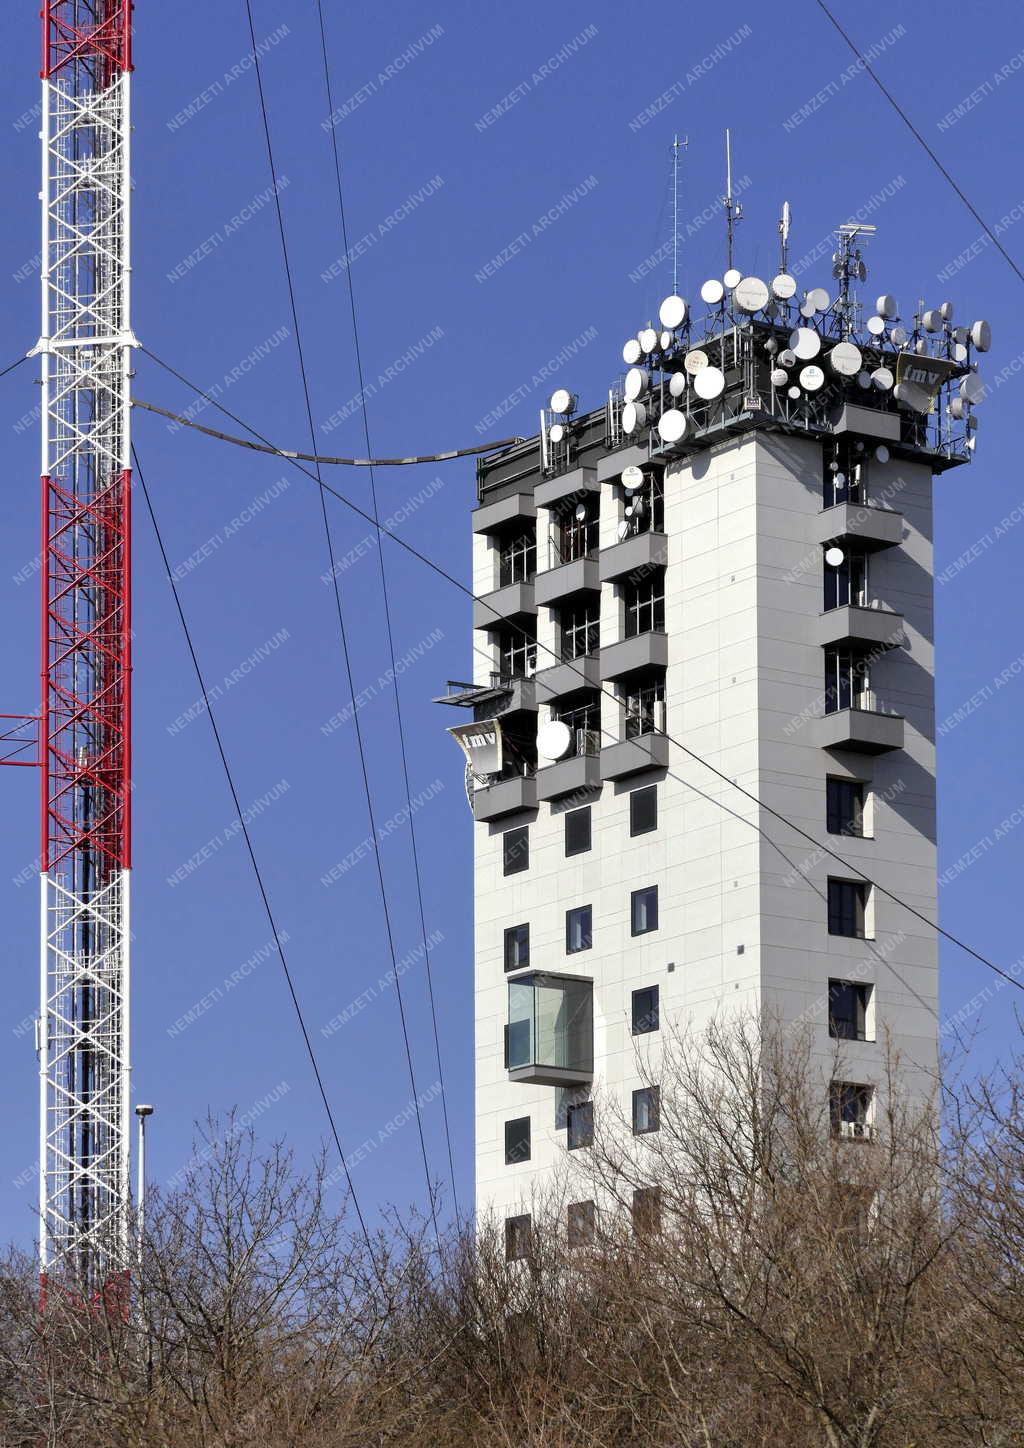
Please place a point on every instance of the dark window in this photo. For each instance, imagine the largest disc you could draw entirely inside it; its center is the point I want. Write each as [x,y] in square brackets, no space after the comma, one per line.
[582,1223]
[844,807]
[515,850]
[643,810]
[850,1110]
[847,682]
[580,1121]
[847,584]
[577,831]
[848,1009]
[646,1211]
[645,605]
[517,1238]
[645,1010]
[847,907]
[517,947]
[581,630]
[644,910]
[578,536]
[517,559]
[578,929]
[517,1140]
[646,1110]
[845,475]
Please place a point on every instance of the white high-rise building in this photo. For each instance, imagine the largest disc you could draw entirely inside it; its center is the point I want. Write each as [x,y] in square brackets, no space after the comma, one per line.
[757,590]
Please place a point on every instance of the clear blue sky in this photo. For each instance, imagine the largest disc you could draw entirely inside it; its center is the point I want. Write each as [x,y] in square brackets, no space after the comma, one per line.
[419,86]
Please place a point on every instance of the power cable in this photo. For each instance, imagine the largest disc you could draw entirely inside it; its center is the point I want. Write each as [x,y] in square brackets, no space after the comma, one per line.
[343,633]
[386,596]
[457,583]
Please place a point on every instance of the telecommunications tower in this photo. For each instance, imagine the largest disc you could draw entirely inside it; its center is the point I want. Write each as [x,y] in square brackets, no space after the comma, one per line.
[85,350]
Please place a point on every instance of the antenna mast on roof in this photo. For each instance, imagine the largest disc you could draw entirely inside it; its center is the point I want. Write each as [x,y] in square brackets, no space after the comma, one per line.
[733,209]
[676,143]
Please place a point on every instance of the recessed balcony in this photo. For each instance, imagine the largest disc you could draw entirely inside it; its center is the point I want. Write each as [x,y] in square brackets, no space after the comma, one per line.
[632,756]
[569,776]
[513,603]
[637,555]
[549,1039]
[643,651]
[856,523]
[872,628]
[582,575]
[865,731]
[507,796]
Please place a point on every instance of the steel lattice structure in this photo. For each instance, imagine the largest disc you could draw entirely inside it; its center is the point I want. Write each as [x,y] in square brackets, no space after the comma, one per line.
[85,726]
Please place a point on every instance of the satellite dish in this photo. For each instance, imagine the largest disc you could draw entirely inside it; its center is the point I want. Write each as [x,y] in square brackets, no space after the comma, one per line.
[636,382]
[881,453]
[561,400]
[677,384]
[876,326]
[784,286]
[932,320]
[805,343]
[787,358]
[960,353]
[623,530]
[864,379]
[732,278]
[882,378]
[581,512]
[972,389]
[629,510]
[672,312]
[709,383]
[554,739]
[672,425]
[898,336]
[835,557]
[771,346]
[648,339]
[946,311]
[632,478]
[921,346]
[811,378]
[556,432]
[958,407]
[779,377]
[634,415]
[807,308]
[846,359]
[750,294]
[819,299]
[695,362]
[886,307]
[712,292]
[839,479]
[794,393]
[665,341]
[981,335]
[631,352]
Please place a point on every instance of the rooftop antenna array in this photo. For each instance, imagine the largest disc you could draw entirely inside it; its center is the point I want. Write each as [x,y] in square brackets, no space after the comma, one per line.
[733,209]
[784,224]
[676,144]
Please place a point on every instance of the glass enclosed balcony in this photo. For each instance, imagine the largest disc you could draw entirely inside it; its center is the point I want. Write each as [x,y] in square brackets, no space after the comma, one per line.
[549,1039]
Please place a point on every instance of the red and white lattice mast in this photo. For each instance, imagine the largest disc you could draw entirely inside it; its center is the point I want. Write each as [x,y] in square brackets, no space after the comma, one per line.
[85,725]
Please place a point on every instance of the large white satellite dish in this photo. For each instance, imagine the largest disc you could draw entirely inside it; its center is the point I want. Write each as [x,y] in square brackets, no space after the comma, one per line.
[784,286]
[750,294]
[886,307]
[972,388]
[882,378]
[695,361]
[846,359]
[819,299]
[632,352]
[635,383]
[634,415]
[946,311]
[805,343]
[834,557]
[672,312]
[709,383]
[561,400]
[779,376]
[556,432]
[665,341]
[732,278]
[554,739]
[932,320]
[672,425]
[876,326]
[712,292]
[812,379]
[981,336]
[677,384]
[648,339]
[632,478]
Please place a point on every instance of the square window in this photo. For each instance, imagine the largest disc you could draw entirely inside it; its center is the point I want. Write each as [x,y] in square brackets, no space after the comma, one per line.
[844,807]
[577,831]
[646,1211]
[515,850]
[646,1110]
[847,908]
[851,1110]
[580,1120]
[644,910]
[517,1140]
[646,1010]
[643,810]
[848,1002]
[517,947]
[578,929]
[517,1238]
[582,1223]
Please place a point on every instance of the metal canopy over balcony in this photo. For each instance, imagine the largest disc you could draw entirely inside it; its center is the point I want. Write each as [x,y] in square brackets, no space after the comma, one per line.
[640,553]
[566,678]
[863,730]
[568,776]
[631,756]
[496,515]
[566,485]
[549,1039]
[513,602]
[857,523]
[849,624]
[643,651]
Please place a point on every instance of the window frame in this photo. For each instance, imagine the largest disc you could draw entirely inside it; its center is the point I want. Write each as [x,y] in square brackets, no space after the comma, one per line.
[836,812]
[510,936]
[652,1014]
[644,605]
[578,1137]
[581,911]
[518,1237]
[581,849]
[863,992]
[652,1094]
[840,911]
[645,791]
[581,1229]
[646,1211]
[634,898]
[511,1159]
[507,850]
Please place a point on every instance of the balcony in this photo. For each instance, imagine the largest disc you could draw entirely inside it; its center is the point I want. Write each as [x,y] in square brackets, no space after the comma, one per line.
[866,731]
[566,485]
[636,555]
[628,455]
[549,1039]
[514,602]
[508,796]
[631,756]
[871,628]
[493,516]
[501,695]
[644,651]
[856,523]
[567,579]
[567,677]
[569,776]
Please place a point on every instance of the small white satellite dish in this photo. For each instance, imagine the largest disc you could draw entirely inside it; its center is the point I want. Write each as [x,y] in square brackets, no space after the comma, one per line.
[750,294]
[784,286]
[846,359]
[732,278]
[811,378]
[635,383]
[779,376]
[835,557]
[554,739]
[863,379]
[634,415]
[881,453]
[709,383]
[960,353]
[561,400]
[876,326]
[807,308]
[921,346]
[648,339]
[972,389]
[632,477]
[958,407]
[677,384]
[622,530]
[712,292]
[581,512]
[805,343]
[672,312]
[839,479]
[629,510]
[665,341]
[981,335]
[898,336]
[556,432]
[794,393]
[946,311]
[787,358]
[672,425]
[882,378]
[695,362]
[932,320]
[819,299]
[886,307]
[632,352]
